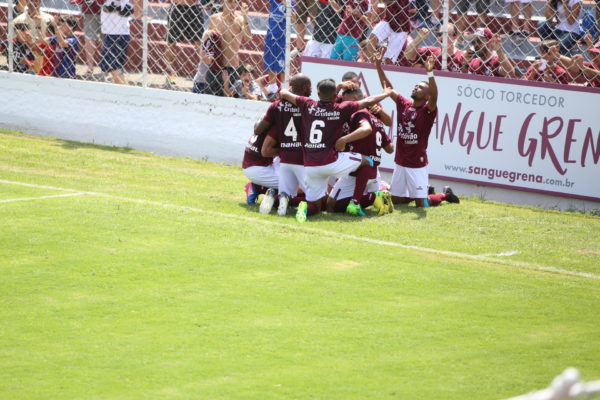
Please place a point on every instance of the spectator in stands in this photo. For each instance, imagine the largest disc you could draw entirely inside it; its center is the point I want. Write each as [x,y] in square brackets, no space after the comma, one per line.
[213,57]
[38,21]
[274,49]
[91,29]
[114,19]
[489,57]
[394,27]
[19,6]
[515,7]
[185,22]
[591,69]
[233,26]
[562,24]
[580,70]
[547,68]
[357,18]
[482,7]
[246,87]
[60,50]
[327,19]
[304,11]
[417,56]
[27,56]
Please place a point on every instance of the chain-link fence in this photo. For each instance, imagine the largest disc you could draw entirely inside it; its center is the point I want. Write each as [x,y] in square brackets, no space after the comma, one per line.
[233,48]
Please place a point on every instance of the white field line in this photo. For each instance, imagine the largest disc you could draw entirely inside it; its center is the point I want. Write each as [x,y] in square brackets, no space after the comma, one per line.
[323,232]
[43,197]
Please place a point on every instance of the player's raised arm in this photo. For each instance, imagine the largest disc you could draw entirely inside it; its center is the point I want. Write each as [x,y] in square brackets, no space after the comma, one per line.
[288,96]
[385,82]
[433,91]
[380,113]
[364,129]
[372,100]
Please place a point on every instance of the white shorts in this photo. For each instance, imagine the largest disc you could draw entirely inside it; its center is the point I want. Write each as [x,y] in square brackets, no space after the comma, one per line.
[410,182]
[395,39]
[264,176]
[344,187]
[316,178]
[290,176]
[317,49]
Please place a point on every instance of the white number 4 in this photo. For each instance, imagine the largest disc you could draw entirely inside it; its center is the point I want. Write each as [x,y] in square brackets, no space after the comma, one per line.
[291,130]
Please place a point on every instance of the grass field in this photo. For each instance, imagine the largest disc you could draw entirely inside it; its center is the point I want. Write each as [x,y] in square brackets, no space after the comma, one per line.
[131,276]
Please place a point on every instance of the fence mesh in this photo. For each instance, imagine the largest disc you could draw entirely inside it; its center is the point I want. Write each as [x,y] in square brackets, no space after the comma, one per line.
[234,48]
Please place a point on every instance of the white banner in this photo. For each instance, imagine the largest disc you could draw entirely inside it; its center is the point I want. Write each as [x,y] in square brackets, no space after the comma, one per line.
[516,134]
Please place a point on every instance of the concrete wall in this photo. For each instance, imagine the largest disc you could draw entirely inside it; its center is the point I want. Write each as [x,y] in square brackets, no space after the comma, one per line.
[169,123]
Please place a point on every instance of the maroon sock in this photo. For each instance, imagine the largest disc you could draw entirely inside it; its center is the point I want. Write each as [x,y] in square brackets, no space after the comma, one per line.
[363,175]
[436,199]
[294,201]
[312,209]
[341,204]
[367,200]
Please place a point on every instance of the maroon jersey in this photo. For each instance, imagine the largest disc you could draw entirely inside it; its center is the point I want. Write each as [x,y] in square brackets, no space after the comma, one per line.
[595,82]
[322,123]
[454,62]
[414,127]
[489,67]
[252,156]
[285,119]
[396,14]
[372,144]
[537,73]
[214,49]
[350,25]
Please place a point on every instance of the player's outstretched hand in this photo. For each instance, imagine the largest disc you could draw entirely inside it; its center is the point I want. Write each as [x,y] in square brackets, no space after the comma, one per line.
[340,144]
[429,64]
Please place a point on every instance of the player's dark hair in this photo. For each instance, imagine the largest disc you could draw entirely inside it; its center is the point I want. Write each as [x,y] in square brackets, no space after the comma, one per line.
[298,82]
[348,76]
[354,92]
[326,88]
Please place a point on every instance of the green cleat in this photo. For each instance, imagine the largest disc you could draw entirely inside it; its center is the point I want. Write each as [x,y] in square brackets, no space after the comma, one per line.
[301,213]
[355,209]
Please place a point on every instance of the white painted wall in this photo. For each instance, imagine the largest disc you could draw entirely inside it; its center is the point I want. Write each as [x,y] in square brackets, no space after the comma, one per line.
[159,121]
[168,123]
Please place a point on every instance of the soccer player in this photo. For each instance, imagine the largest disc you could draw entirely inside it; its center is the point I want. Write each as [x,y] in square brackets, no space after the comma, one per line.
[283,120]
[262,171]
[415,119]
[367,137]
[322,123]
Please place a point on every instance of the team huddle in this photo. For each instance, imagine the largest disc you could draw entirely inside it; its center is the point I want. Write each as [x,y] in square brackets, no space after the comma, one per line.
[324,155]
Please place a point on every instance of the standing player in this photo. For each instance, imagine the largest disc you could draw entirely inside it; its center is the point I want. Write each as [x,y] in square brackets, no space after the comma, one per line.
[262,171]
[415,119]
[322,123]
[367,137]
[284,140]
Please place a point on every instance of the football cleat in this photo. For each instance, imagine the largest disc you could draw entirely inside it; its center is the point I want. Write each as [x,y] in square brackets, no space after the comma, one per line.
[430,190]
[378,204]
[302,211]
[450,196]
[387,201]
[284,200]
[355,209]
[267,203]
[251,193]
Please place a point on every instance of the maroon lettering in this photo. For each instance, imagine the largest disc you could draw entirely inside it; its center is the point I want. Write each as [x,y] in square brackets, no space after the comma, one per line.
[465,140]
[480,132]
[446,124]
[588,146]
[546,145]
[530,151]
[497,132]
[569,139]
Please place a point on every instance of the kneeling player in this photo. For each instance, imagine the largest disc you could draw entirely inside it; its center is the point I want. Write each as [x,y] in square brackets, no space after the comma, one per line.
[361,189]
[322,123]
[262,171]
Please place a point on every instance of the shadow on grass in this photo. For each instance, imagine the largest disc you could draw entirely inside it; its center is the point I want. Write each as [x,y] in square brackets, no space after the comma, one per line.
[73,145]
[322,216]
[419,212]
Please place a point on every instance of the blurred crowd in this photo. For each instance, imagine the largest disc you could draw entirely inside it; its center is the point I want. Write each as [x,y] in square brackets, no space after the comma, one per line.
[233,57]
